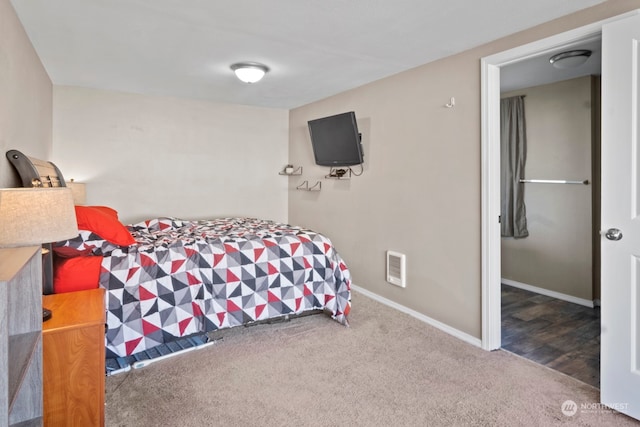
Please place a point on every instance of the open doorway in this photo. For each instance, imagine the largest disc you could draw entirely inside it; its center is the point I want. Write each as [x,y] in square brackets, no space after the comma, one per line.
[525,66]
[549,269]
[519,61]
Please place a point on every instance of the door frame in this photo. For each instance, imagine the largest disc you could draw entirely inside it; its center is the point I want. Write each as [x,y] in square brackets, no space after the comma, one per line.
[490,163]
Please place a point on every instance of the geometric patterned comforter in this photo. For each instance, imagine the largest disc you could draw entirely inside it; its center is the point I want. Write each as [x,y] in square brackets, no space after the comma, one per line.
[188,277]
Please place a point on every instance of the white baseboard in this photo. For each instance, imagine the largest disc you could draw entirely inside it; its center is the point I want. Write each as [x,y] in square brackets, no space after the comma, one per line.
[547,292]
[426,319]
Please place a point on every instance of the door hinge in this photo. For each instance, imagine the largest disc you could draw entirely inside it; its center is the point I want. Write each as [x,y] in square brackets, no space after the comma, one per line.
[499,219]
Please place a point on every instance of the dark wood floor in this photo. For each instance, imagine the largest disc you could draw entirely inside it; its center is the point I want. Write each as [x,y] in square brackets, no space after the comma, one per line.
[555,333]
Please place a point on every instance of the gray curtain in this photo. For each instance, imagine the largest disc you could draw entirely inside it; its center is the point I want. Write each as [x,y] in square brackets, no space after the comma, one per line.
[513,156]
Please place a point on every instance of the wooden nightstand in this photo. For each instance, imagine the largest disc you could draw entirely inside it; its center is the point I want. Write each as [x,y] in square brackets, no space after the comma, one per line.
[73,349]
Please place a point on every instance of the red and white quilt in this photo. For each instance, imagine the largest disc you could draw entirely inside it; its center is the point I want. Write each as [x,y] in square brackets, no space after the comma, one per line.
[189,277]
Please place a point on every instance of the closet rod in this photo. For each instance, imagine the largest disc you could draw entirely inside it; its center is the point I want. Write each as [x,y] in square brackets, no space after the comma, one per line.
[553,181]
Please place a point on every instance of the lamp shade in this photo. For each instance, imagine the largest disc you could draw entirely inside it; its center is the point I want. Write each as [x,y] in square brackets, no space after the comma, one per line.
[33,216]
[79,190]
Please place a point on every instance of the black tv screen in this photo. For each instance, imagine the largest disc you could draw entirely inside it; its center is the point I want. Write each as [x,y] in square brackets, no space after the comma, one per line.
[335,140]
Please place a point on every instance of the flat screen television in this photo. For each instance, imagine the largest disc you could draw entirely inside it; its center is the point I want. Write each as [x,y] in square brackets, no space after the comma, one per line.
[336,140]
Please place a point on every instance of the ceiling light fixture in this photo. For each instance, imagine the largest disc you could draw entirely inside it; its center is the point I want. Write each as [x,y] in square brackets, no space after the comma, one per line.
[570,59]
[249,72]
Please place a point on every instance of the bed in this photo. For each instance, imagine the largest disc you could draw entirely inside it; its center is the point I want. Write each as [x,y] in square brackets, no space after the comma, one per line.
[168,278]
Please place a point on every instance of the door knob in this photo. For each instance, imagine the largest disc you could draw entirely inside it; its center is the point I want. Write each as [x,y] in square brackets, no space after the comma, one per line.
[613,234]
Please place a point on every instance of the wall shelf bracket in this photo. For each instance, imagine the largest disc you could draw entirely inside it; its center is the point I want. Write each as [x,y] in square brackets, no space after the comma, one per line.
[289,170]
[305,186]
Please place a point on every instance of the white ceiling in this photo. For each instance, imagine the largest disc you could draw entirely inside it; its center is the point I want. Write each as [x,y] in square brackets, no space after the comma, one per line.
[314,48]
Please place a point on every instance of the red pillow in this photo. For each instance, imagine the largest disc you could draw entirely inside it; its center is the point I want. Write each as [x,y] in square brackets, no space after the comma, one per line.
[77,274]
[107,210]
[104,225]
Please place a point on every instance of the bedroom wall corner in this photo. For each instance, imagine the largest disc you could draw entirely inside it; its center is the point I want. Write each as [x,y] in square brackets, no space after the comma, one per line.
[26,100]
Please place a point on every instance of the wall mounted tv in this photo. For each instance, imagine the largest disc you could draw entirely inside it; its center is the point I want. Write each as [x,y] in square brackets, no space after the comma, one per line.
[336,140]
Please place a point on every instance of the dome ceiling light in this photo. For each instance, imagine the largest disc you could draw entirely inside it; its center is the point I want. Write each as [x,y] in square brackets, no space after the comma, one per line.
[570,59]
[249,72]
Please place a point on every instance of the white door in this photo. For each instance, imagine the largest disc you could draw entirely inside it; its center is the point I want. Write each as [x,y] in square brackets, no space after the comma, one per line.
[620,339]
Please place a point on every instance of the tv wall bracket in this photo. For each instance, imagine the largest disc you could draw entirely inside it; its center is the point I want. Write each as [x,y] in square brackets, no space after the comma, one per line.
[339,173]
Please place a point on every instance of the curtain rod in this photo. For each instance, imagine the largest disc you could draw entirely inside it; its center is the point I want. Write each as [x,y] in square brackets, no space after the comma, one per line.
[553,181]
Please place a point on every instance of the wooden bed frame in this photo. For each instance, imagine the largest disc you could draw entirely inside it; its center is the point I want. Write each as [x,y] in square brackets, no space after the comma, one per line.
[35,172]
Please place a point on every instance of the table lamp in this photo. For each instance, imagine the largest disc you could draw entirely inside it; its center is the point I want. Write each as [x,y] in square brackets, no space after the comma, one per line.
[79,190]
[36,216]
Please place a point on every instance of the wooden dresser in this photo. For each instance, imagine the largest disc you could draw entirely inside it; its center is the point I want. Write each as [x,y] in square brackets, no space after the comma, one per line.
[74,359]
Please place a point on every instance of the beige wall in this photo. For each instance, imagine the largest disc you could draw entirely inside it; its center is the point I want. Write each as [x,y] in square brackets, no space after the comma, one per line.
[420,191]
[25,96]
[557,253]
[154,156]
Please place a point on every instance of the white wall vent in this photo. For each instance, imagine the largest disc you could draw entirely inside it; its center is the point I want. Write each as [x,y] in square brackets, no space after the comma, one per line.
[396,268]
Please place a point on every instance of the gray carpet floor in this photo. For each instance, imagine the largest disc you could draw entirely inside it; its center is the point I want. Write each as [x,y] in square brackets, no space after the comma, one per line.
[386,369]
